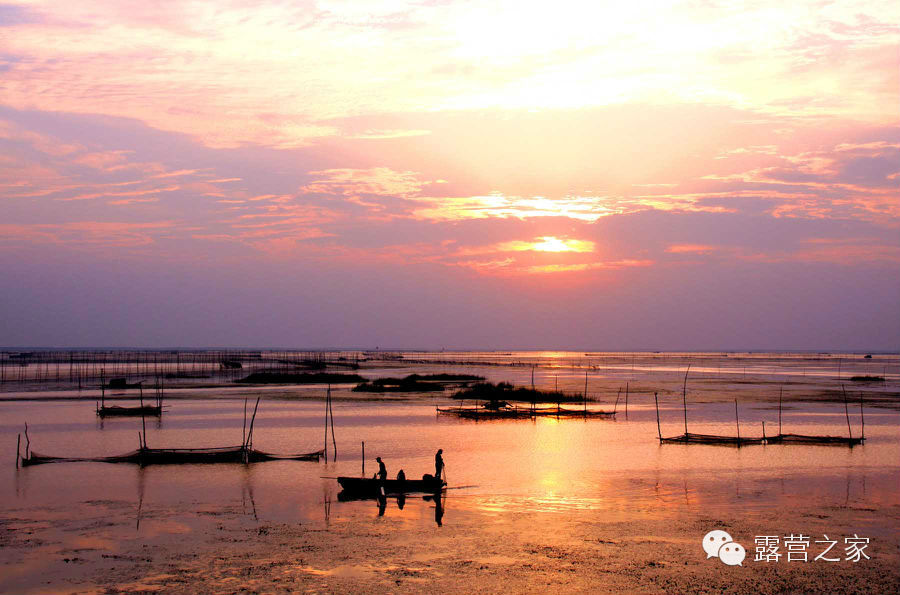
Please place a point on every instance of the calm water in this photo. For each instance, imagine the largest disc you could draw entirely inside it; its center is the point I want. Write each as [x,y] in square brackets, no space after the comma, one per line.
[545,464]
[548,466]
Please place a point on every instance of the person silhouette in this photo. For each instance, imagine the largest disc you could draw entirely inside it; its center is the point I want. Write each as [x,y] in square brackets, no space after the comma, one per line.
[382,470]
[438,463]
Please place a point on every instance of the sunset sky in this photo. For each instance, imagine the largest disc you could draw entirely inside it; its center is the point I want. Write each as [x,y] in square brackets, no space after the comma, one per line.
[587,175]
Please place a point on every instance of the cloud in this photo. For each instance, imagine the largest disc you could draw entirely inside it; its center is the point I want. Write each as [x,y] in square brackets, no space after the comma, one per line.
[131,201]
[377,181]
[383,134]
[691,249]
[277,76]
[98,234]
[12,15]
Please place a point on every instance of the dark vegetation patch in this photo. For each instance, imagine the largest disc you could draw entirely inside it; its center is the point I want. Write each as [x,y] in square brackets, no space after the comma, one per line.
[414,383]
[446,377]
[176,375]
[304,378]
[867,378]
[319,364]
[487,391]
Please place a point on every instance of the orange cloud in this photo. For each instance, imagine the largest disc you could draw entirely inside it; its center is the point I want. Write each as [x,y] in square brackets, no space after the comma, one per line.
[691,249]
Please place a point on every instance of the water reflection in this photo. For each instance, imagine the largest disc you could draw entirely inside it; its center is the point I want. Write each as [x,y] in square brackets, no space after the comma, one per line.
[382,501]
[247,491]
[546,466]
[439,501]
[141,486]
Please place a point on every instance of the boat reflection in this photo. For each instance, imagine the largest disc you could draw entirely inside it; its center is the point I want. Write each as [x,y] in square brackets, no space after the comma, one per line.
[382,502]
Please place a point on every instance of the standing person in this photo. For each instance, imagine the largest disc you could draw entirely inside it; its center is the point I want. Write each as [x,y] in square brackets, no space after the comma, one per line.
[382,470]
[438,463]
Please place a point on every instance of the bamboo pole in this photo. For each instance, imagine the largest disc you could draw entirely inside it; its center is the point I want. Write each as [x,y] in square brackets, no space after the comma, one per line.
[626,399]
[585,390]
[252,420]
[331,414]
[325,449]
[862,416]
[658,429]
[764,431]
[363,458]
[684,397]
[737,421]
[616,406]
[847,413]
[780,393]
[18,443]
[27,442]
[244,429]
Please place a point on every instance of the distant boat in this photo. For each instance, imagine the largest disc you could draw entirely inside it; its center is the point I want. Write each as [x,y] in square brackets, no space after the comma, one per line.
[370,487]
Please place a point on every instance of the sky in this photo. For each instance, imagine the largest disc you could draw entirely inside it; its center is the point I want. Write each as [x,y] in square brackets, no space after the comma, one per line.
[694,175]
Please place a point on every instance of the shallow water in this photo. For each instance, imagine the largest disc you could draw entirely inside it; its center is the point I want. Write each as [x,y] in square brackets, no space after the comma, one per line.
[545,463]
[545,466]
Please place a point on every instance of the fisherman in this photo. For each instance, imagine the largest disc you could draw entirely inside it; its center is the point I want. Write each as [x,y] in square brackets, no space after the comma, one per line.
[382,470]
[401,475]
[438,463]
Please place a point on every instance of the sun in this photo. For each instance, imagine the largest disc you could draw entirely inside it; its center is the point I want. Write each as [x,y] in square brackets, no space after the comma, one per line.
[554,244]
[546,244]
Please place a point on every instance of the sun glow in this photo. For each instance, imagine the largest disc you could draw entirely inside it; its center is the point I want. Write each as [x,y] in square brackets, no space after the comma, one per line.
[553,244]
[545,244]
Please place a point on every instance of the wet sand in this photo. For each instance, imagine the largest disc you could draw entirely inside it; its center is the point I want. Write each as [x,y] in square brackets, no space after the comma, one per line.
[645,551]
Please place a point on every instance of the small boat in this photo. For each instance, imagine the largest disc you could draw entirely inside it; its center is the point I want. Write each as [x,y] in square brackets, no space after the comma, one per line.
[371,487]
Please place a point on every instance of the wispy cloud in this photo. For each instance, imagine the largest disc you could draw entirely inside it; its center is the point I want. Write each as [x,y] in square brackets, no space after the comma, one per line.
[284,71]
[378,181]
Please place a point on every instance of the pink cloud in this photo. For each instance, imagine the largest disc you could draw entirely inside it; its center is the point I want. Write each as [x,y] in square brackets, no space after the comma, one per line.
[100,234]
[691,249]
[378,181]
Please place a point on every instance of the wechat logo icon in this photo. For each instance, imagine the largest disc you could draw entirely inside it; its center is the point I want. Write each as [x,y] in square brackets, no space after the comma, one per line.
[719,544]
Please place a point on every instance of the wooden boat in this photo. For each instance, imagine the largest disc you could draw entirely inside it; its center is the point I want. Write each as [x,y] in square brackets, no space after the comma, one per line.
[370,487]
